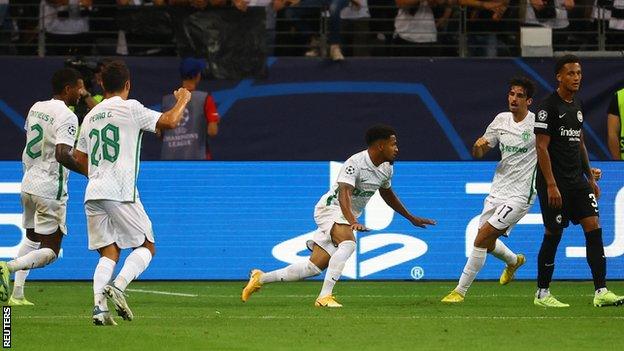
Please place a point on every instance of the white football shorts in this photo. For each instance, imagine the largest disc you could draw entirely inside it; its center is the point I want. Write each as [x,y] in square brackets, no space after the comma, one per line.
[123,223]
[43,215]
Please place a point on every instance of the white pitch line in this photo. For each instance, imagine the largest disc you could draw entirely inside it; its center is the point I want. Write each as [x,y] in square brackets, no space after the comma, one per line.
[422,317]
[390,296]
[324,317]
[162,292]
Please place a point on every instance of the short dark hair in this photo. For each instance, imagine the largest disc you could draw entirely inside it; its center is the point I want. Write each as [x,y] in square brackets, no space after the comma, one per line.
[101,63]
[525,83]
[115,74]
[379,132]
[564,60]
[63,78]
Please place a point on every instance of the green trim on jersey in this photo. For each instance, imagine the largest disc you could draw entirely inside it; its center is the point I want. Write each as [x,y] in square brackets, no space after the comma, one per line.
[620,95]
[532,191]
[331,198]
[59,194]
[136,164]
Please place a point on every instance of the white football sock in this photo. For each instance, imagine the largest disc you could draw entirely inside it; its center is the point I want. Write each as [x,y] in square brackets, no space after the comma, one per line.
[34,259]
[134,265]
[20,276]
[296,271]
[102,275]
[473,266]
[502,252]
[336,265]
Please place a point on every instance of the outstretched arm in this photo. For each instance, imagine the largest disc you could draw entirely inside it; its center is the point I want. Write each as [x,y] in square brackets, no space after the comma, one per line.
[393,201]
[63,154]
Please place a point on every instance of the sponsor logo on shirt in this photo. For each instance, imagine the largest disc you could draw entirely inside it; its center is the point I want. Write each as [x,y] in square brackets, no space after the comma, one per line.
[572,134]
[362,193]
[513,149]
[579,116]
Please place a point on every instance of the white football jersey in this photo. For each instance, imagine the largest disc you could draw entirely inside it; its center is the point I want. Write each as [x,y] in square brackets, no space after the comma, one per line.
[515,173]
[360,172]
[111,137]
[48,124]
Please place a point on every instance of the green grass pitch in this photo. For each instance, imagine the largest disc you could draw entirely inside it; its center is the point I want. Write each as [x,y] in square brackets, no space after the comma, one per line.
[375,316]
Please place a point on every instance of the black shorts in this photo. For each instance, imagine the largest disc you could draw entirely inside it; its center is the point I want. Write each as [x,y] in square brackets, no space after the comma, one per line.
[576,205]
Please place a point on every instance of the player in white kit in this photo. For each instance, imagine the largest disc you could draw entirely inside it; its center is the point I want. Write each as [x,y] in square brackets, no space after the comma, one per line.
[50,136]
[336,215]
[109,147]
[513,190]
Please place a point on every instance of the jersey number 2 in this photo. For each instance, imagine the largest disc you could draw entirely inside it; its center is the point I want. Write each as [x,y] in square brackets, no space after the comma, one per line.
[34,141]
[108,137]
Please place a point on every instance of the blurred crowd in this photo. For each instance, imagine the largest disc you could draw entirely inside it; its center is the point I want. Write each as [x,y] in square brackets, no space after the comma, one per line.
[328,28]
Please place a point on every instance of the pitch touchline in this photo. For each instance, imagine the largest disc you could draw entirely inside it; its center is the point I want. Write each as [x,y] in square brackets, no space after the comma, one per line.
[161,292]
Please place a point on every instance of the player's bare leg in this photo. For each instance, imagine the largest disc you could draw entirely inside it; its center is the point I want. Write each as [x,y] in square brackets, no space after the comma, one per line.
[342,236]
[319,259]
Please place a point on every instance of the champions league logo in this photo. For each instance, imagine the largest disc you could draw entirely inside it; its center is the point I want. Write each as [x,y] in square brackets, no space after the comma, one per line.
[542,115]
[182,129]
[185,118]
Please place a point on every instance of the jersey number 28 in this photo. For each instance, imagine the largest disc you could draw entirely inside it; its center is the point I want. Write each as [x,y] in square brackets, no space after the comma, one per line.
[108,139]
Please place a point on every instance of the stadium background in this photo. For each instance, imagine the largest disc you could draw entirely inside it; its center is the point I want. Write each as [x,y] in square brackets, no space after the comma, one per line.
[439,106]
[217,220]
[283,133]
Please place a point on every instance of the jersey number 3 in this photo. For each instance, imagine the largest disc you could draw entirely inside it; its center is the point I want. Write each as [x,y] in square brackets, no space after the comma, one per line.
[108,138]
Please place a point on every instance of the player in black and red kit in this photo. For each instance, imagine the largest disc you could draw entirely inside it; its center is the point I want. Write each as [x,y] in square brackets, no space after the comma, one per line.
[566,188]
